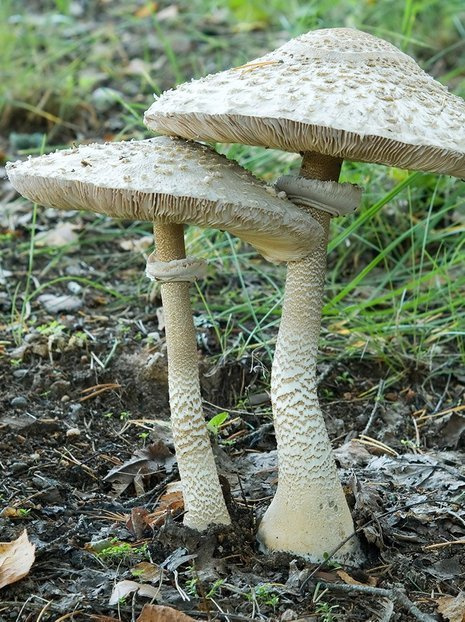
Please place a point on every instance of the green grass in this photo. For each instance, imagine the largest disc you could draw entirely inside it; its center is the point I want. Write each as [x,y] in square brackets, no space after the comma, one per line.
[395,281]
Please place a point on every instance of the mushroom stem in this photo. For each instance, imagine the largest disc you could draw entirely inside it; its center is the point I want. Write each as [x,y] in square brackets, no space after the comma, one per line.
[309,514]
[203,497]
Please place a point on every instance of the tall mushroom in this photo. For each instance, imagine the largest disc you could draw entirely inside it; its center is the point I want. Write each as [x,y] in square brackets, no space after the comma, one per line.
[172,182]
[330,94]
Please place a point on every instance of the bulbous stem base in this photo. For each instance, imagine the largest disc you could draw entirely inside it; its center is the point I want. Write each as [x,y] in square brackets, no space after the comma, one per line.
[309,514]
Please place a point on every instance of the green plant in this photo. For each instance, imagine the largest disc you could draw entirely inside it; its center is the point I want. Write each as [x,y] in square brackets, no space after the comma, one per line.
[264,594]
[216,422]
[325,610]
[322,607]
[52,328]
[214,589]
[118,550]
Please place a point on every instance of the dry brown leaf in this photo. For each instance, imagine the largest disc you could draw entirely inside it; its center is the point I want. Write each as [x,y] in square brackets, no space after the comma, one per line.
[126,587]
[147,571]
[16,559]
[146,10]
[342,574]
[160,613]
[138,522]
[10,512]
[144,463]
[169,503]
[452,608]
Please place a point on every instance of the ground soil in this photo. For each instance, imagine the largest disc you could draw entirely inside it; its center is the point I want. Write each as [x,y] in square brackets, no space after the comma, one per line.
[68,419]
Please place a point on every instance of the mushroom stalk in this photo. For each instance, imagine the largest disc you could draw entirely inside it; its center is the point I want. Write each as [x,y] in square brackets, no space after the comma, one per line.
[203,497]
[309,514]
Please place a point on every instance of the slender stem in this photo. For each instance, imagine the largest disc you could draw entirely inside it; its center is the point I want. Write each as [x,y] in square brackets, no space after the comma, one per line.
[309,513]
[203,497]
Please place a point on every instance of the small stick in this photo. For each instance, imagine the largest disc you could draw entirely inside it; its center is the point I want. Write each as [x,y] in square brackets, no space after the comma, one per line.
[442,413]
[102,389]
[371,418]
[441,545]
[392,593]
[367,440]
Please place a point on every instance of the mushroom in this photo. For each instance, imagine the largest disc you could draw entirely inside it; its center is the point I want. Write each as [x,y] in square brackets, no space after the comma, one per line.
[330,94]
[172,182]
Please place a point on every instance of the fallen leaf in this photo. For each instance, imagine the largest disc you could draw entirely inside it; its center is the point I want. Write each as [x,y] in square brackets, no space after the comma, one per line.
[144,463]
[147,571]
[64,234]
[169,503]
[452,608]
[126,587]
[453,431]
[160,613]
[147,10]
[345,576]
[16,559]
[10,512]
[352,454]
[177,558]
[138,522]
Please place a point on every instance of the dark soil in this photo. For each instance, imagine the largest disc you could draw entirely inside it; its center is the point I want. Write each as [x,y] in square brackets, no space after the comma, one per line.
[60,440]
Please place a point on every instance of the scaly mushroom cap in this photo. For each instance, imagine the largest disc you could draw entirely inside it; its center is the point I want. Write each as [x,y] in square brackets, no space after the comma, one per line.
[338,91]
[168,180]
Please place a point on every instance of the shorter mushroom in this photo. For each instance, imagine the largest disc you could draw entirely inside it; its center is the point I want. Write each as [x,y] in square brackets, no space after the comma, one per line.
[173,182]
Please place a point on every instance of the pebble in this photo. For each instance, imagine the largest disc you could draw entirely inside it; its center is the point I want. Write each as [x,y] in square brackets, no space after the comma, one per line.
[75,408]
[19,402]
[73,433]
[20,373]
[65,399]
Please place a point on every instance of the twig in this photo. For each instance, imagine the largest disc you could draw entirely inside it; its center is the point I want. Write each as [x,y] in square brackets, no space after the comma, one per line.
[442,413]
[392,593]
[97,389]
[372,442]
[371,418]
[68,615]
[231,616]
[441,545]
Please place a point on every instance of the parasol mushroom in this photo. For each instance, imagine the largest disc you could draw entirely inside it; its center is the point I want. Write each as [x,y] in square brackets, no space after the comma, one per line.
[172,182]
[330,94]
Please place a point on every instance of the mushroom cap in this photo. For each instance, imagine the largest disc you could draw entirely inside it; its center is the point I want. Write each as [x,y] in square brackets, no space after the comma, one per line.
[336,91]
[173,181]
